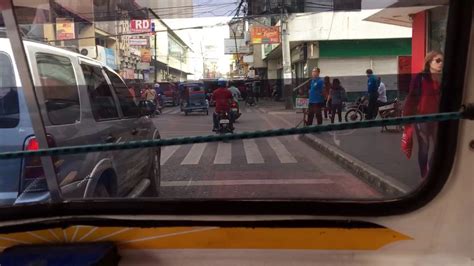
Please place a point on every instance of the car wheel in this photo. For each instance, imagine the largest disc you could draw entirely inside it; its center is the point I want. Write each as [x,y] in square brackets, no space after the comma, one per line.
[101,191]
[155,174]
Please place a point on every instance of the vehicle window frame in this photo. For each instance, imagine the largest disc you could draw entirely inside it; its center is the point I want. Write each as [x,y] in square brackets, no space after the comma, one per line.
[40,85]
[456,54]
[122,114]
[112,92]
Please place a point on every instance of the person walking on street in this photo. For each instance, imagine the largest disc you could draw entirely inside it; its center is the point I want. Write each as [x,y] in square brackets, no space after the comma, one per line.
[316,98]
[336,98]
[372,89]
[423,98]
[326,91]
[256,90]
[382,91]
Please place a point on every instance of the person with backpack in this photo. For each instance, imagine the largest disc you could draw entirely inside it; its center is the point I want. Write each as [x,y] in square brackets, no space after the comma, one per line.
[423,98]
[337,96]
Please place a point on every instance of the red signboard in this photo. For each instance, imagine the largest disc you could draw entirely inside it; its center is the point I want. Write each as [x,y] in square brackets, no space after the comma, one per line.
[140,25]
[265,35]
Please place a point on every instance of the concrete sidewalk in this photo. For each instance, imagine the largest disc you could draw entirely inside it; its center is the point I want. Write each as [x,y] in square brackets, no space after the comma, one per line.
[373,156]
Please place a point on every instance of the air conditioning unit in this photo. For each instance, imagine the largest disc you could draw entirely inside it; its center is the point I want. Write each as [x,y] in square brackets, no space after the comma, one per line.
[89,51]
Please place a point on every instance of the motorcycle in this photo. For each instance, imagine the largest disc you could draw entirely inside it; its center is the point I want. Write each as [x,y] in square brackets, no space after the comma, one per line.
[224,123]
[148,108]
[250,101]
[235,110]
[359,110]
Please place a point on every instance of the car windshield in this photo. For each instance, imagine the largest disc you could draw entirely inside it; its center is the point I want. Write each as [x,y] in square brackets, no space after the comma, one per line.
[248,78]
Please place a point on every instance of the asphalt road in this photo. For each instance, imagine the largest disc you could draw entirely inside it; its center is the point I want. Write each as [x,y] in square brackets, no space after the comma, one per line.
[269,168]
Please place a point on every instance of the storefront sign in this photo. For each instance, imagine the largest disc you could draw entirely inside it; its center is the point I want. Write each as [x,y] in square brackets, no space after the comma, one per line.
[110,58]
[236,46]
[265,35]
[145,55]
[138,42]
[65,29]
[140,25]
[302,103]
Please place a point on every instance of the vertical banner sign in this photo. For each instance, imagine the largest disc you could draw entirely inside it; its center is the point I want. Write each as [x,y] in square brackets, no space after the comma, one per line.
[65,29]
[265,35]
[140,25]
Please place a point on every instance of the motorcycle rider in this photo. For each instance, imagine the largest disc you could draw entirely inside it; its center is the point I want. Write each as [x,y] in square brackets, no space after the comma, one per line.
[235,92]
[223,99]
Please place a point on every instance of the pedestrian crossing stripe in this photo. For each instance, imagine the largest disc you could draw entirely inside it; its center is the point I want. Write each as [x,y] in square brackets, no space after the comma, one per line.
[224,152]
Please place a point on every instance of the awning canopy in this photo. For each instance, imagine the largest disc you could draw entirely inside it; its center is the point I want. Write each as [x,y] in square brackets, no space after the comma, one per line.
[400,12]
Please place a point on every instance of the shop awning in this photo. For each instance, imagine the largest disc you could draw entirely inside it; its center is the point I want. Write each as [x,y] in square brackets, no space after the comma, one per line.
[400,13]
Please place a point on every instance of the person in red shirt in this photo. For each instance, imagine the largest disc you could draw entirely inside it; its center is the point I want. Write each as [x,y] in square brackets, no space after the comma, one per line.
[223,99]
[423,98]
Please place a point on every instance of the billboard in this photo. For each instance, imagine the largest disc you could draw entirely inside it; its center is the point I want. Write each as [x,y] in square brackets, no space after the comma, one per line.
[265,35]
[65,29]
[236,46]
[146,55]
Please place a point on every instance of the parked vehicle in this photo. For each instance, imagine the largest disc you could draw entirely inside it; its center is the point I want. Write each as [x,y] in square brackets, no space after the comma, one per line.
[81,102]
[358,111]
[194,99]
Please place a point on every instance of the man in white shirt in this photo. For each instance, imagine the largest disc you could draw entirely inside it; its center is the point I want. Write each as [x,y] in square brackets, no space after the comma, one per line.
[235,92]
[382,93]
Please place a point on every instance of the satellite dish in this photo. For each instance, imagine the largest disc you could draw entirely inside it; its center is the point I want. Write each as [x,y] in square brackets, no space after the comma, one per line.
[84,52]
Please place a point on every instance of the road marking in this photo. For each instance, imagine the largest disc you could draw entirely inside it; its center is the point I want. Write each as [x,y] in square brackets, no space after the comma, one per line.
[280,150]
[167,111]
[202,183]
[224,153]
[167,152]
[195,154]
[248,110]
[175,112]
[252,153]
[262,110]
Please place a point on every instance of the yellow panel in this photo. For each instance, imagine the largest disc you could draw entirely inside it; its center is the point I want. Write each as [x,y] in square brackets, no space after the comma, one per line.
[215,238]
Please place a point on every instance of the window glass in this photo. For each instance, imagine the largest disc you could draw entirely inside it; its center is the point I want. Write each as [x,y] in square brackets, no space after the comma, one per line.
[372,60]
[101,98]
[9,107]
[59,87]
[125,96]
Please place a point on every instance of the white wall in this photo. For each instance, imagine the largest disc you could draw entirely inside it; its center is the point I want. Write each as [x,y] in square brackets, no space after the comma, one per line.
[342,26]
[351,71]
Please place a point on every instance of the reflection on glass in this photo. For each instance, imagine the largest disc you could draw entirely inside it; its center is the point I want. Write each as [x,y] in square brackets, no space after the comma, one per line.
[118,71]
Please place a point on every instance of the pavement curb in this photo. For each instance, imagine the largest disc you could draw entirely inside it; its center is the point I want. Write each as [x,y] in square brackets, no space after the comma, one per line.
[383,183]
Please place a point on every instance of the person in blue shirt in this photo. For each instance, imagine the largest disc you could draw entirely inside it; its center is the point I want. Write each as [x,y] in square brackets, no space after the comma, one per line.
[316,98]
[372,90]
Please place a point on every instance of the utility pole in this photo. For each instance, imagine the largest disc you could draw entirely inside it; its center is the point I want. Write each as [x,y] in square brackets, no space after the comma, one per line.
[286,58]
[155,62]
